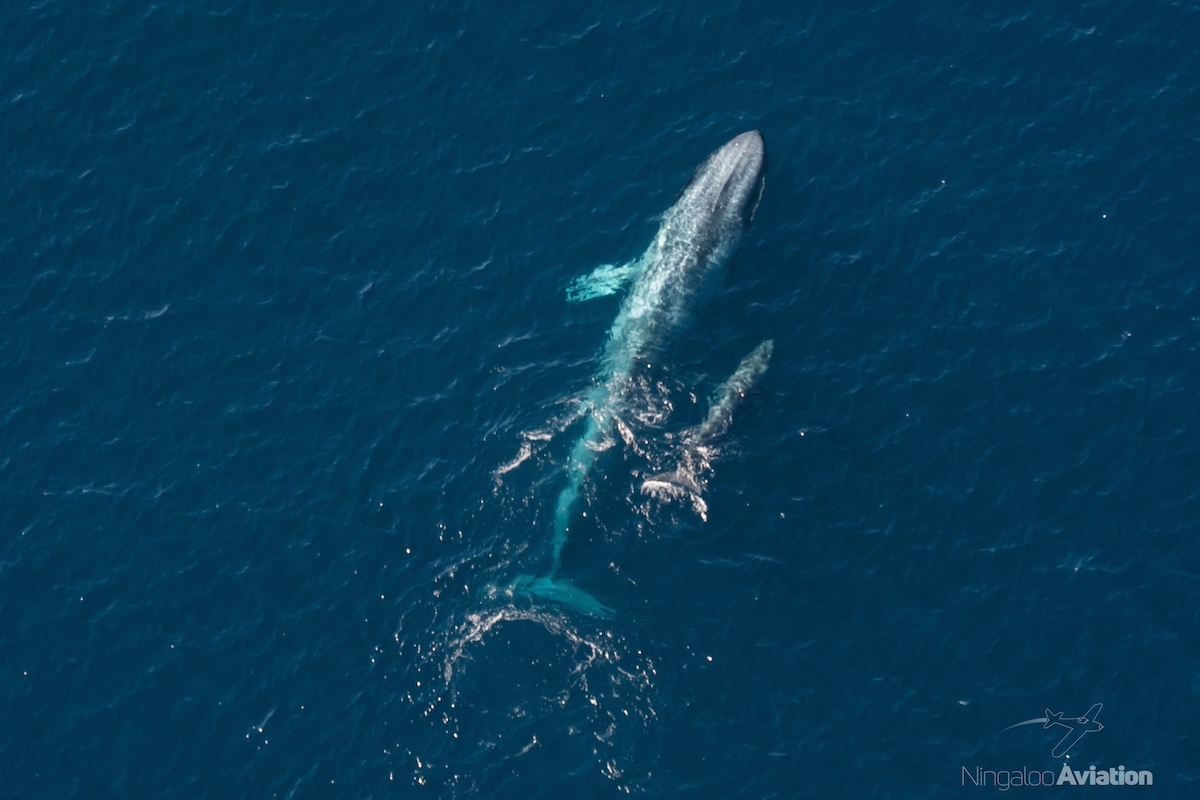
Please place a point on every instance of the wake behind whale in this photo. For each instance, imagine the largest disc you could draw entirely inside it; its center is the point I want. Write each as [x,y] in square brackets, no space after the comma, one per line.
[670,280]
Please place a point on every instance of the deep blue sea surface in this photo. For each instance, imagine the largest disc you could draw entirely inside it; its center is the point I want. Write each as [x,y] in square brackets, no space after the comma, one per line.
[290,379]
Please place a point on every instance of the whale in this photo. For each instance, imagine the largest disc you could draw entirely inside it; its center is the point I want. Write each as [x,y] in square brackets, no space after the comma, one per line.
[667,285]
[696,444]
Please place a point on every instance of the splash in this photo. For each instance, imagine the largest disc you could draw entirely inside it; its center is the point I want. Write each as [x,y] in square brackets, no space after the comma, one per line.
[529,692]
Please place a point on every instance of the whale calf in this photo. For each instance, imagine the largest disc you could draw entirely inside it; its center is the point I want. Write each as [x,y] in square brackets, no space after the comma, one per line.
[696,443]
[669,282]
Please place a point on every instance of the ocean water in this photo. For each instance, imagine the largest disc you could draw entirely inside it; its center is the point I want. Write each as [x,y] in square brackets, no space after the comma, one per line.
[291,378]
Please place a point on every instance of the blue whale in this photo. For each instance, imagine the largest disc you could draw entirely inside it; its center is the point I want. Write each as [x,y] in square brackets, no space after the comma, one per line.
[670,281]
[697,443]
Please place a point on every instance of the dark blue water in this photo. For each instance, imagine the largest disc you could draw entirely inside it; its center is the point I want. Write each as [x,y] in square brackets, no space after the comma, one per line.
[283,300]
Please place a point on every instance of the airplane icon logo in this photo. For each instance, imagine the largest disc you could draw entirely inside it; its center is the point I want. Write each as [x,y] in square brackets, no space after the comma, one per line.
[1077,727]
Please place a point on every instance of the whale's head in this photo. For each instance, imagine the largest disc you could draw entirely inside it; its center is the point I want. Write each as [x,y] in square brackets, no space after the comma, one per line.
[730,181]
[695,239]
[747,172]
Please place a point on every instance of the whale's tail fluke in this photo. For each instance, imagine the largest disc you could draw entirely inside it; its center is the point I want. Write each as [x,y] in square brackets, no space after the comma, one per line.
[558,592]
[679,483]
[680,479]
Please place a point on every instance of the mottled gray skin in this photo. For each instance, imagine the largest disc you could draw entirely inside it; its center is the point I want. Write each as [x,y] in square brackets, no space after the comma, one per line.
[731,393]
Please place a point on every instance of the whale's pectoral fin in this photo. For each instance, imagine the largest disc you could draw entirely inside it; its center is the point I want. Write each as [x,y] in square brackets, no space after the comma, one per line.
[606,279]
[560,593]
